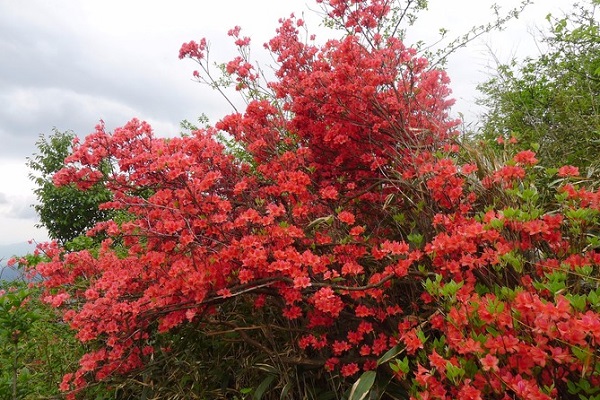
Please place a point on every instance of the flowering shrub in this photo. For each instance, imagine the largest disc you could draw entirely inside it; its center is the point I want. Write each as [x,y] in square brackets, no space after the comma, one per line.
[352,220]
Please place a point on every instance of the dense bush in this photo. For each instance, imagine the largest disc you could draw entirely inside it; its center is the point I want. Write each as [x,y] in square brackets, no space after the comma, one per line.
[36,347]
[351,245]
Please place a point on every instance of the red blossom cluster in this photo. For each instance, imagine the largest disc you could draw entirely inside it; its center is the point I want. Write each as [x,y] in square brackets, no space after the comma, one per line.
[351,217]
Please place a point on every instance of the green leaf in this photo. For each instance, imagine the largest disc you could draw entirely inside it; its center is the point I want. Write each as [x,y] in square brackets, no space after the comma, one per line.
[578,301]
[264,385]
[497,223]
[362,386]
[422,336]
[327,220]
[582,355]
[416,239]
[399,218]
[573,389]
[454,373]
[403,365]
[390,354]
[514,260]
[451,288]
[285,391]
[594,299]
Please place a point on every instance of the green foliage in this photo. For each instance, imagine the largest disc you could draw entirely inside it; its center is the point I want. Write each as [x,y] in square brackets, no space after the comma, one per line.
[36,347]
[362,386]
[66,211]
[15,322]
[552,101]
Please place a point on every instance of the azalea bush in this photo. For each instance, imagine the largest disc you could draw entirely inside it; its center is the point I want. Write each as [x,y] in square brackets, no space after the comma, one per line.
[343,233]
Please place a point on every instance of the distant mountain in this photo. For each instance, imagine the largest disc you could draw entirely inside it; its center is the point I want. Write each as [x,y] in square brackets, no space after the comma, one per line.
[10,250]
[15,249]
[9,274]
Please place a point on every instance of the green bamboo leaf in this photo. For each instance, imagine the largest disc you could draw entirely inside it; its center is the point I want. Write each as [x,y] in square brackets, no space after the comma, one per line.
[321,220]
[285,391]
[391,353]
[264,385]
[362,386]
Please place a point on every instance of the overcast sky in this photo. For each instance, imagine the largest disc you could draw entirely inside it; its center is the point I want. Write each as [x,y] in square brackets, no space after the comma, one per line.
[67,64]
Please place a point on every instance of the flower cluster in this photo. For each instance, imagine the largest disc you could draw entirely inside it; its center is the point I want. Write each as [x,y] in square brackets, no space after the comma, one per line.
[349,215]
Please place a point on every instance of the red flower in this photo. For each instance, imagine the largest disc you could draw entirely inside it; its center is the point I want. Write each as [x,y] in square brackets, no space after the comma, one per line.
[331,363]
[327,301]
[469,168]
[352,268]
[526,157]
[339,347]
[468,392]
[301,282]
[357,231]
[412,341]
[394,247]
[346,217]
[489,363]
[363,311]
[293,312]
[357,128]
[235,31]
[568,170]
[508,173]
[329,193]
[438,361]
[349,369]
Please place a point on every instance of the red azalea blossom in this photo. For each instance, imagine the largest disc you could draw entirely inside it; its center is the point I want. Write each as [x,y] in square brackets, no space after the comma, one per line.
[328,302]
[526,157]
[331,363]
[346,217]
[357,231]
[458,268]
[568,170]
[349,369]
[489,363]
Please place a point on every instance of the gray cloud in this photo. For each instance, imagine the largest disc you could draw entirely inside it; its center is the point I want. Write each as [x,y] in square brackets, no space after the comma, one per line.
[22,208]
[60,75]
[17,207]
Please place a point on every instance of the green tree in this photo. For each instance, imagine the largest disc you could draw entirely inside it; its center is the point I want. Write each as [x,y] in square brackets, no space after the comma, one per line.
[552,101]
[66,212]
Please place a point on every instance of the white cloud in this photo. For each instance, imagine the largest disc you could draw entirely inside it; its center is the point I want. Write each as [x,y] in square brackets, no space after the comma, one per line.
[18,230]
[17,217]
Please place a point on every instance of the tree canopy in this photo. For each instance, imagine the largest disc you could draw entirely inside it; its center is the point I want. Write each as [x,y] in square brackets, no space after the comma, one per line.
[552,101]
[66,212]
